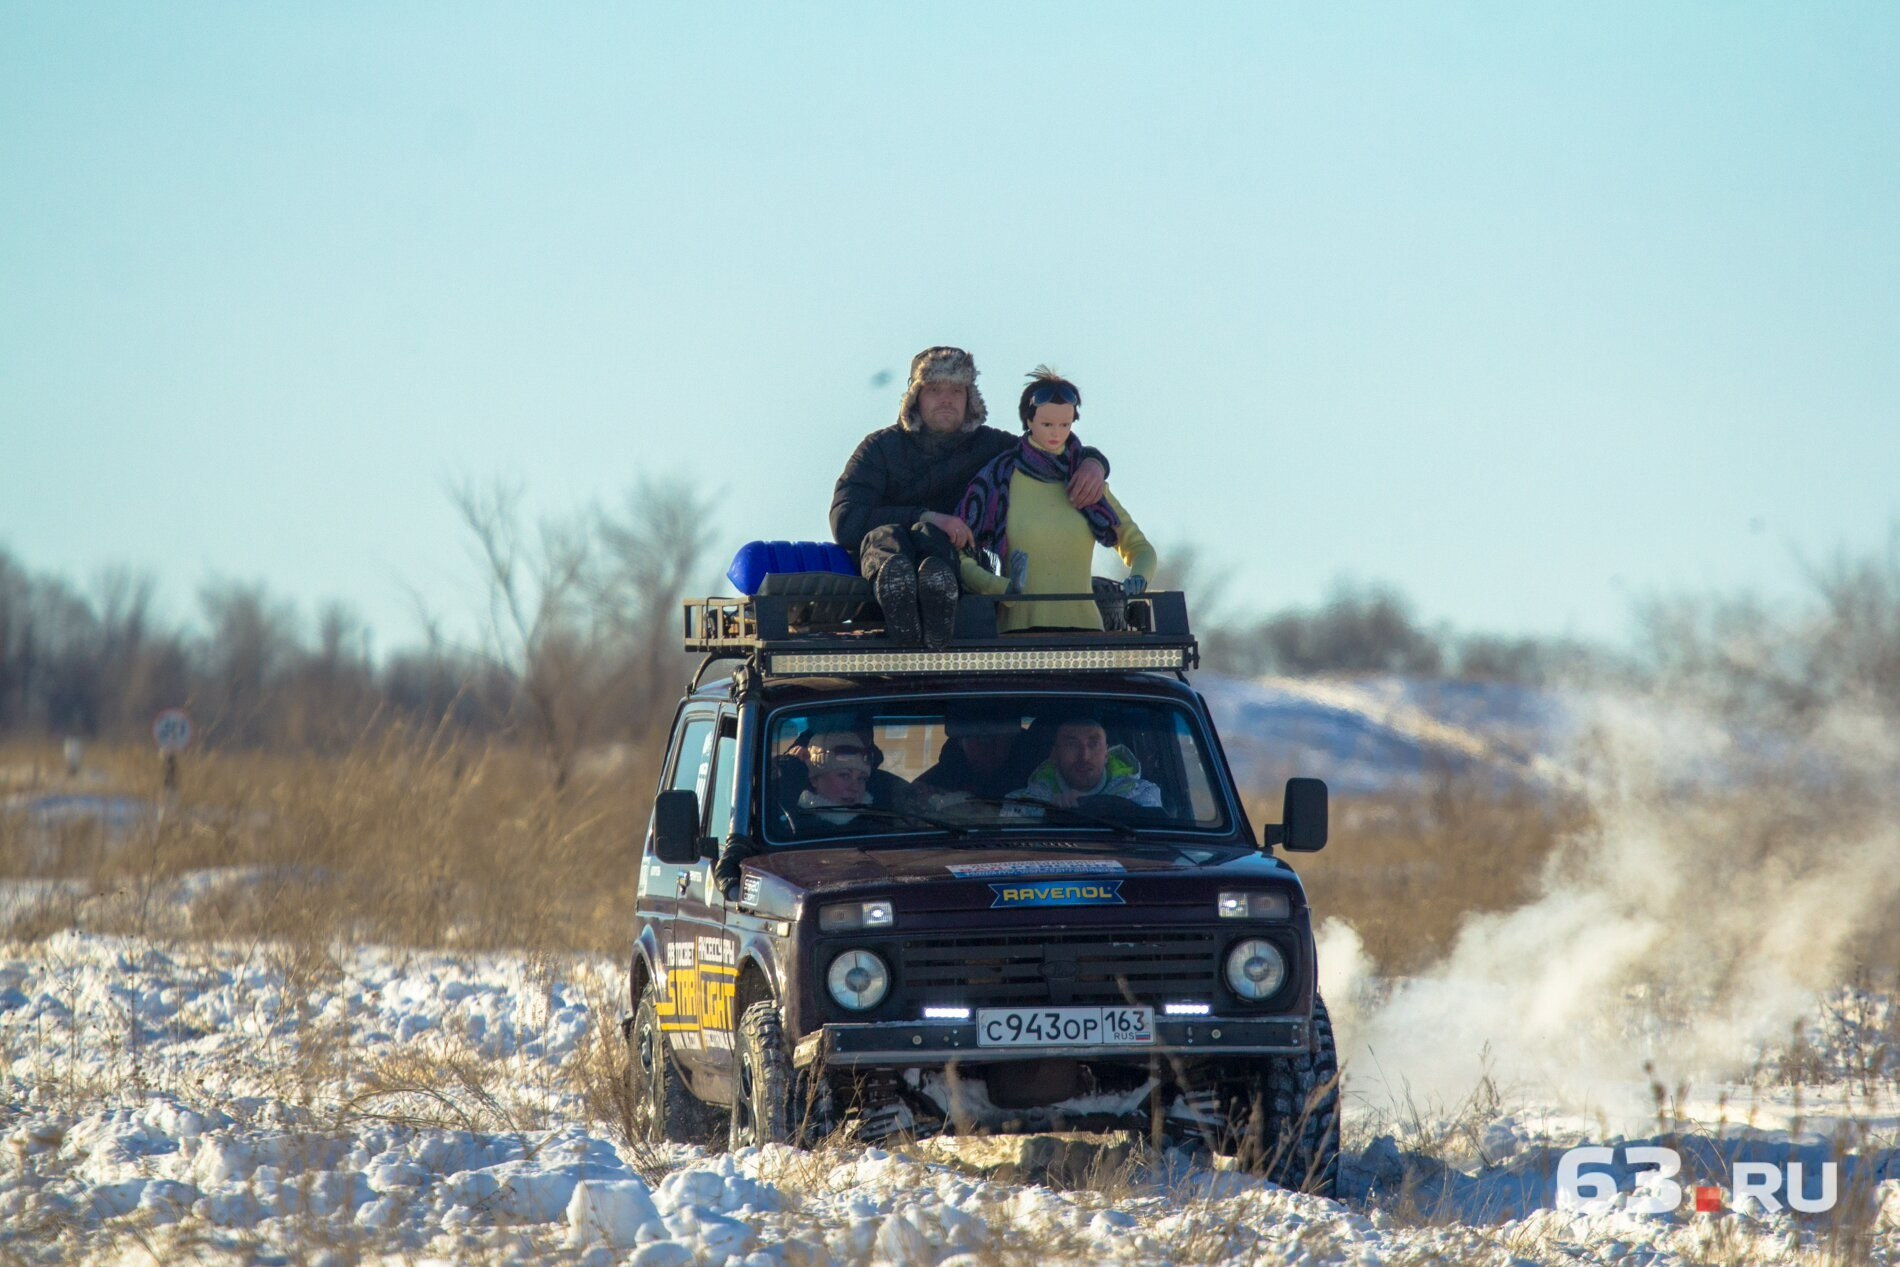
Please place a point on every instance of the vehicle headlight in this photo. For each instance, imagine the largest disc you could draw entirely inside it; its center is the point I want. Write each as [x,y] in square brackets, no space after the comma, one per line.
[847,915]
[858,980]
[1255,969]
[1261,904]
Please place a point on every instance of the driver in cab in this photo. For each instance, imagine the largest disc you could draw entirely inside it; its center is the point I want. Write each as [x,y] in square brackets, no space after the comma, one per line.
[1081,764]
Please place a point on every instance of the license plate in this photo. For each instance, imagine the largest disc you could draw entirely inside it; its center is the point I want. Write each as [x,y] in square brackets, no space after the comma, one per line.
[1064,1026]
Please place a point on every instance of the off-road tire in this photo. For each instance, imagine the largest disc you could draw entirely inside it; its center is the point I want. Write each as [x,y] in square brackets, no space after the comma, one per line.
[762,1081]
[663,1110]
[1284,1122]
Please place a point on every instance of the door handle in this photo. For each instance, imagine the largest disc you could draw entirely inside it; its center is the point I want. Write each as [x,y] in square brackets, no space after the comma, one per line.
[686,881]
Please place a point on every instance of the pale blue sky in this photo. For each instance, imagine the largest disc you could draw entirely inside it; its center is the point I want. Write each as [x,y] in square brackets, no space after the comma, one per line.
[1526,309]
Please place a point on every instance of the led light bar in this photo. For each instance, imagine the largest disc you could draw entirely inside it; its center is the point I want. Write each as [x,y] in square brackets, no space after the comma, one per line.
[1186,1009]
[946,1013]
[979,661]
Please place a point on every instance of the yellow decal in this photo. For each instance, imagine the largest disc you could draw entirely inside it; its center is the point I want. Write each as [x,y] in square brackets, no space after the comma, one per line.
[701,979]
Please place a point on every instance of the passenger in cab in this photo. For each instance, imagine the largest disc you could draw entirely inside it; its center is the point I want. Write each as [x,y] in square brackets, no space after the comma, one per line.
[978,759]
[1081,764]
[840,774]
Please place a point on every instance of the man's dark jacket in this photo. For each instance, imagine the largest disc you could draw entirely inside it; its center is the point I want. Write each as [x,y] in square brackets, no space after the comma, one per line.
[954,773]
[897,474]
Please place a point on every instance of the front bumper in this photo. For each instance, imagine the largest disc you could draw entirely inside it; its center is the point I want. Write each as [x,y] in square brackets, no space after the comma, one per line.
[888,1044]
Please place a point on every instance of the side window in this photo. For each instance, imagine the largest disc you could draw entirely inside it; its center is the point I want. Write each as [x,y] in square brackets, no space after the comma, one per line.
[693,759]
[723,769]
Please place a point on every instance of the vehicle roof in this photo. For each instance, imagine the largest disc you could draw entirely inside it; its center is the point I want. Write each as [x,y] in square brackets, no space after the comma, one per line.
[777,691]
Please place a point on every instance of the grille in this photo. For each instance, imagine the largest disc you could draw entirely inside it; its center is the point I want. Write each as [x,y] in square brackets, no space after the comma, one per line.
[1057,968]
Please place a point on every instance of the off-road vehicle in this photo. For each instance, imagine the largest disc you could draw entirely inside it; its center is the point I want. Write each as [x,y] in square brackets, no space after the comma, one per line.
[1037,904]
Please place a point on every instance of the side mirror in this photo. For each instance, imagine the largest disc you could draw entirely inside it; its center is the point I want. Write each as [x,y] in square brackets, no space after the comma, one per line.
[1302,828]
[676,827]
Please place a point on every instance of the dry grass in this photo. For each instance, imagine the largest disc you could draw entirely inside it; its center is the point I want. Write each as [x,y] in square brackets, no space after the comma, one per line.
[416,841]
[598,1075]
[408,840]
[1406,870]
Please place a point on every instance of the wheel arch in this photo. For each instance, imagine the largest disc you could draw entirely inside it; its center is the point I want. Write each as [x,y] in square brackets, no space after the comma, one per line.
[755,985]
[644,967]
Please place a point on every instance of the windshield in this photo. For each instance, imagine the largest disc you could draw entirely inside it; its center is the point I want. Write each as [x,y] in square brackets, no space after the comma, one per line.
[988,763]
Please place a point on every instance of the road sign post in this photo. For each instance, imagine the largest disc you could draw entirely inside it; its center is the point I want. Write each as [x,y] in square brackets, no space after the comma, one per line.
[171,731]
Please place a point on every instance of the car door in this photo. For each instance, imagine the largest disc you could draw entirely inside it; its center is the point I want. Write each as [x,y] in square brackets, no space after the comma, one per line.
[689,769]
[701,914]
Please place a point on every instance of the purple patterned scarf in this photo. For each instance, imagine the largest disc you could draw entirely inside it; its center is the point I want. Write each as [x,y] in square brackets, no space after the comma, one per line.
[985,504]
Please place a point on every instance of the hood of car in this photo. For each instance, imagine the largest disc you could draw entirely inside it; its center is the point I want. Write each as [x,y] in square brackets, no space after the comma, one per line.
[812,869]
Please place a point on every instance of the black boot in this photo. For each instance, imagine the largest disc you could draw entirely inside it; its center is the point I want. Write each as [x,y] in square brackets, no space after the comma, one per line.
[937,602]
[896,588]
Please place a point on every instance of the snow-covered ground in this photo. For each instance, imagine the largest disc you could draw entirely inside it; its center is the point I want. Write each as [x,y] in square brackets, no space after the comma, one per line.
[169,1101]
[171,1096]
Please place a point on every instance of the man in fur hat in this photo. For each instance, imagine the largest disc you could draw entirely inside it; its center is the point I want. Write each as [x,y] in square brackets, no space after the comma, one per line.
[894,506]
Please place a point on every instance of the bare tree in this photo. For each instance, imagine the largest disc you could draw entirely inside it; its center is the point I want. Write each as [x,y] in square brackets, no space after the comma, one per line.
[1786,662]
[1855,639]
[1359,629]
[328,696]
[251,641]
[102,661]
[126,663]
[16,642]
[651,554]
[584,613]
[538,617]
[67,692]
[1207,584]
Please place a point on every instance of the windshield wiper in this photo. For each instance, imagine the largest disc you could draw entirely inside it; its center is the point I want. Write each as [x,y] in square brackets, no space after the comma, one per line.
[909,816]
[1122,830]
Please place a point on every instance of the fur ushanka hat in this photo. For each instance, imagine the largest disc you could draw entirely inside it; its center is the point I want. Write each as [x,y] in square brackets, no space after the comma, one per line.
[942,365]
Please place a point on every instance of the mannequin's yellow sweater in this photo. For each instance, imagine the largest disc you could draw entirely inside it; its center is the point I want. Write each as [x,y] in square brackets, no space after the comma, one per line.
[1061,550]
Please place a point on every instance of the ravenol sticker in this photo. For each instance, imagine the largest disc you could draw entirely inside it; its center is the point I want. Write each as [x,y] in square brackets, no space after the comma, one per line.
[1001,870]
[1059,893]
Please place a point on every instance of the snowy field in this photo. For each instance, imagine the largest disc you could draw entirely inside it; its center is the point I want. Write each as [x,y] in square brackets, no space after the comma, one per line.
[1682,977]
[173,1101]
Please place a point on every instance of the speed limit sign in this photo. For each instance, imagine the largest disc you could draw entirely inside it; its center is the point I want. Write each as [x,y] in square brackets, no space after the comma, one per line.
[171,731]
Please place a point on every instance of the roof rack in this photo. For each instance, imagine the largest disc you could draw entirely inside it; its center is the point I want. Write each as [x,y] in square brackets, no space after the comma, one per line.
[777,635]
